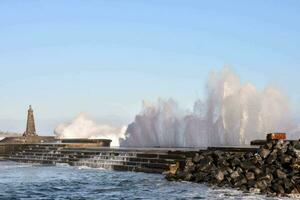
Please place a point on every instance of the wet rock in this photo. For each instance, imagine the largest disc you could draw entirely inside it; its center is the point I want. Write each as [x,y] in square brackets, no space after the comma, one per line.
[188,177]
[171,177]
[200,177]
[251,183]
[255,190]
[279,189]
[295,191]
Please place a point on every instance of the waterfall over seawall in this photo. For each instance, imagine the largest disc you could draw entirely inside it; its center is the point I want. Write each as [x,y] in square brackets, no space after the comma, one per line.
[231,113]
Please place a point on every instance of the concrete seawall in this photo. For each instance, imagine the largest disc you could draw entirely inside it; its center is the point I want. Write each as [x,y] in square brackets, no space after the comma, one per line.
[151,160]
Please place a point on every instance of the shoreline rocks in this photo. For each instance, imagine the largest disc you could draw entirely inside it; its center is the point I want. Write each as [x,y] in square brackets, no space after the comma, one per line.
[273,170]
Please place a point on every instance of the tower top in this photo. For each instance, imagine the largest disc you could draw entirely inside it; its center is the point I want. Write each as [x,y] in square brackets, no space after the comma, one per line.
[30,127]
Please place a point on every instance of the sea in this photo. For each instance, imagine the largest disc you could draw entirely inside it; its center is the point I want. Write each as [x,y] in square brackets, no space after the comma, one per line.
[30,181]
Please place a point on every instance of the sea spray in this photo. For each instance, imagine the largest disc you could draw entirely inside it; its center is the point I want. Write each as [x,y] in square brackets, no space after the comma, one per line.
[230,114]
[84,127]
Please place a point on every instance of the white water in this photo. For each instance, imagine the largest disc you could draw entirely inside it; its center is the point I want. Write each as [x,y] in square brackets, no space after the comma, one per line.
[84,127]
[231,114]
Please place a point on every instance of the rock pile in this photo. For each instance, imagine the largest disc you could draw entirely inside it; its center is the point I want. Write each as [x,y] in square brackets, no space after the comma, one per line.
[273,170]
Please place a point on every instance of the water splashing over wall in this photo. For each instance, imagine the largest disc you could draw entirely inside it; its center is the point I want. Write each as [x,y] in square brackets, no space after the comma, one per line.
[230,114]
[83,127]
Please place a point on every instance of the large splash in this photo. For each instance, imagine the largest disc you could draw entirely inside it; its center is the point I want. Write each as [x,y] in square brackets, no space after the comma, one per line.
[232,113]
[84,127]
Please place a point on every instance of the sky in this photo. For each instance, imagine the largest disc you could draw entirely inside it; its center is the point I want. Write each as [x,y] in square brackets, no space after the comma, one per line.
[104,57]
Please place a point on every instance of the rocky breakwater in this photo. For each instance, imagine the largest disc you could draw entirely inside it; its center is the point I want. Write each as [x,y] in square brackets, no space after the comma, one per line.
[273,170]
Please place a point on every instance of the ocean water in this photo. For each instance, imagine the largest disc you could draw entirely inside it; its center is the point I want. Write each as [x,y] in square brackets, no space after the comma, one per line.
[28,181]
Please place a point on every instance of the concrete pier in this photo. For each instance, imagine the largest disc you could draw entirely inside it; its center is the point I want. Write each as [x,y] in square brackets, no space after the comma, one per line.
[151,160]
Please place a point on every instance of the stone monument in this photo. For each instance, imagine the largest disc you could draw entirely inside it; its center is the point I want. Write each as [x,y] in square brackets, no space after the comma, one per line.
[30,127]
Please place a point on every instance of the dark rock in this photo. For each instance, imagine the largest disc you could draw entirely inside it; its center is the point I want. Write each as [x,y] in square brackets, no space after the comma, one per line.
[272,157]
[251,183]
[246,165]
[257,159]
[286,159]
[200,177]
[229,170]
[171,177]
[197,158]
[222,162]
[268,178]
[235,162]
[264,152]
[288,185]
[248,155]
[280,174]
[188,177]
[297,146]
[189,166]
[255,190]
[295,191]
[234,175]
[250,176]
[274,170]
[205,164]
[244,188]
[257,171]
[262,185]
[240,182]
[219,176]
[216,155]
[279,189]
[268,145]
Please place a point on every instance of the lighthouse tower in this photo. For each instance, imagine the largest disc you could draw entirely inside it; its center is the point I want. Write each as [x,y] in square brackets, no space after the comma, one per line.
[30,128]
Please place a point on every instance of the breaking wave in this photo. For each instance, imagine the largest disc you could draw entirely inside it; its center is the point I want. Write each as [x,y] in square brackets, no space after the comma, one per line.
[84,127]
[231,113]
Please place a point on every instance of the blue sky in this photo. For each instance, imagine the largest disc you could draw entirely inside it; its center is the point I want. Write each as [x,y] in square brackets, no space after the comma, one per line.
[105,57]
